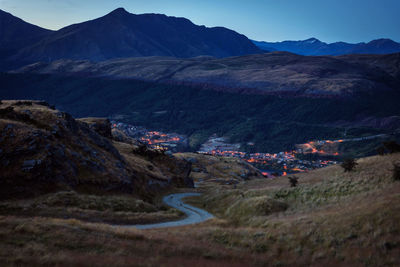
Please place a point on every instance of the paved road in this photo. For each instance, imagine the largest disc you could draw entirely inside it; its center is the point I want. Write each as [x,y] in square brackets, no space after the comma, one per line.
[194,215]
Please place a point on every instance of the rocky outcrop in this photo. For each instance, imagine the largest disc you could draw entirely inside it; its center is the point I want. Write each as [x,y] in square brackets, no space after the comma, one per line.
[44,150]
[100,125]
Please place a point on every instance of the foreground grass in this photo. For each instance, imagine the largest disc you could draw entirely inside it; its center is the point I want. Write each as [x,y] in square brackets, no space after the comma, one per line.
[332,218]
[117,209]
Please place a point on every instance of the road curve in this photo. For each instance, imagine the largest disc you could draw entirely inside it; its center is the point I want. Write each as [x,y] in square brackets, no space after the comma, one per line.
[194,215]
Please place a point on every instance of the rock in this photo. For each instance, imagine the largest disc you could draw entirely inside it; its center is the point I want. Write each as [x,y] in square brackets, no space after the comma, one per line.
[56,130]
[27,112]
[100,125]
[59,152]
[28,165]
[8,127]
[192,160]
[244,175]
[23,103]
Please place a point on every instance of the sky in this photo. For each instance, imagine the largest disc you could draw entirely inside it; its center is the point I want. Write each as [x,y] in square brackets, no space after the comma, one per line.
[265,20]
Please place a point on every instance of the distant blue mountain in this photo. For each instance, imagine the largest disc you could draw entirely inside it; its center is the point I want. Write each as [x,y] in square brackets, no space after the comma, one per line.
[314,47]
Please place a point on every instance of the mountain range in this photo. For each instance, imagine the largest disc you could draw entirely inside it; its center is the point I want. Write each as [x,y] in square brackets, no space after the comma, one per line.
[314,47]
[168,74]
[121,34]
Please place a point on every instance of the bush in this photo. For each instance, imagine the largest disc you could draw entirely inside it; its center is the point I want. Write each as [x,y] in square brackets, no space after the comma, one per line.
[396,172]
[23,103]
[349,164]
[392,146]
[380,150]
[293,181]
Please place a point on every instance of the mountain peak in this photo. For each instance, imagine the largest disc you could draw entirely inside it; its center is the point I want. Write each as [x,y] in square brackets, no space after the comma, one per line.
[119,11]
[123,34]
[312,40]
[382,40]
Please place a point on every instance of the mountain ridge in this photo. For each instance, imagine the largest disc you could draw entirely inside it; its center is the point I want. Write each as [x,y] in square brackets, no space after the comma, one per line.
[315,47]
[121,34]
[277,72]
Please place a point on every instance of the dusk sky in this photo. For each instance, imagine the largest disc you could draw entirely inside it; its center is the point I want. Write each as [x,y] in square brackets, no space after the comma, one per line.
[268,20]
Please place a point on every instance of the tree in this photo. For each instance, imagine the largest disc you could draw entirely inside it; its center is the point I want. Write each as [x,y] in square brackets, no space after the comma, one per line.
[392,146]
[293,181]
[396,171]
[380,150]
[349,164]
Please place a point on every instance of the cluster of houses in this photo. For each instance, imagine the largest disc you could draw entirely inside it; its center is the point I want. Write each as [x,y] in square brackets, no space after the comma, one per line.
[280,163]
[154,139]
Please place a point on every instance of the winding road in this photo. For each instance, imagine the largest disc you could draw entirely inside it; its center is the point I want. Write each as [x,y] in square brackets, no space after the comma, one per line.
[194,215]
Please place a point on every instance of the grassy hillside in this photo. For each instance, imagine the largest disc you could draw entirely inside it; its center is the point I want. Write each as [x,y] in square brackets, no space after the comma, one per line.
[206,170]
[274,123]
[331,218]
[278,72]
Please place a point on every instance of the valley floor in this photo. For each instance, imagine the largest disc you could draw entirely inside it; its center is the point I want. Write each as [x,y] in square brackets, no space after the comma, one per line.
[331,218]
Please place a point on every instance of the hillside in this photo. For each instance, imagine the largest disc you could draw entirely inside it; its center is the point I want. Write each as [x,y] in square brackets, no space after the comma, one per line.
[44,150]
[277,73]
[330,218]
[273,123]
[121,34]
[314,47]
[207,169]
[14,35]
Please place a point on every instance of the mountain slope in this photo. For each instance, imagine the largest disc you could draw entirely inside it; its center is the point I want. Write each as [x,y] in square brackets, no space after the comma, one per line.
[272,122]
[121,34]
[314,47]
[277,72]
[14,32]
[14,35]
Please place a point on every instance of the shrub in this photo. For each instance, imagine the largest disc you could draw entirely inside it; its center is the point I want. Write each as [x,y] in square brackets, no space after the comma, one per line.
[380,150]
[23,103]
[396,171]
[349,164]
[392,146]
[293,181]
[6,111]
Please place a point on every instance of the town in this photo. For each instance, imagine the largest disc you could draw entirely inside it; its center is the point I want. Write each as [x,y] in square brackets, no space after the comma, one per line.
[274,164]
[271,164]
[154,139]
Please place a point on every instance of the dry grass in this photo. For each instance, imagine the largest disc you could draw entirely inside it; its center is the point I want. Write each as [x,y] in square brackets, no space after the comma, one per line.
[117,209]
[70,242]
[332,218]
[209,170]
